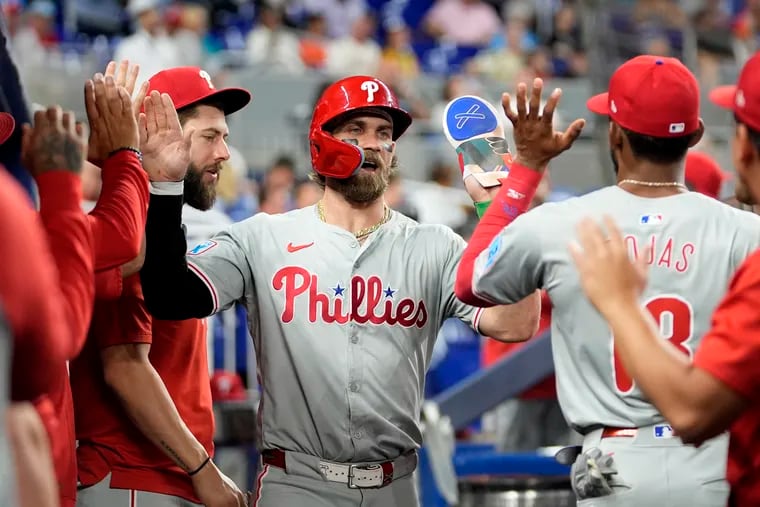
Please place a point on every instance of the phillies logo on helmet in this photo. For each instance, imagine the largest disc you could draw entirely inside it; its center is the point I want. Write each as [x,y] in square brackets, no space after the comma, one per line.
[370,87]
[367,300]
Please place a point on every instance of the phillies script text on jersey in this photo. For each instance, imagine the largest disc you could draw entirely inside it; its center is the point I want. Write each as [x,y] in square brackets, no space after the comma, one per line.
[381,307]
[663,252]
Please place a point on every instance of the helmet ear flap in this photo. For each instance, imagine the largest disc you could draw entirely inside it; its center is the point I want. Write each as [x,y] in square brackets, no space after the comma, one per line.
[334,158]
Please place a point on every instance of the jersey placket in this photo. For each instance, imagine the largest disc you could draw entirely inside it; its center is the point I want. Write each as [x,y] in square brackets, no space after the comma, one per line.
[356,374]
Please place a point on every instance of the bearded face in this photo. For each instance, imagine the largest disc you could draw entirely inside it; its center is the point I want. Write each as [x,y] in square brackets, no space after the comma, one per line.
[369,183]
[374,135]
[200,186]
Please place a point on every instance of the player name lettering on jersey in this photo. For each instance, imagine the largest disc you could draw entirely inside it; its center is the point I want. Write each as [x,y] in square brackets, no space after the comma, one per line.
[665,252]
[366,301]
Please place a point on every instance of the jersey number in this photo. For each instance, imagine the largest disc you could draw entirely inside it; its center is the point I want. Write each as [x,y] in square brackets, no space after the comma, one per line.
[674,318]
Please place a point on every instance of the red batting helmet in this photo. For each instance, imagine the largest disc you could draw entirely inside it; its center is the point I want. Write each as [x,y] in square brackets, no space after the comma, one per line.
[332,157]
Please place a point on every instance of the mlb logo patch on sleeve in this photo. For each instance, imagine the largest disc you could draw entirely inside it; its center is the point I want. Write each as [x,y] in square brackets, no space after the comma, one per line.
[202,247]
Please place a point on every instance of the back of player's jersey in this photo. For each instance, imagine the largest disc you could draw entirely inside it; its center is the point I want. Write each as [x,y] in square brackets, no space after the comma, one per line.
[696,245]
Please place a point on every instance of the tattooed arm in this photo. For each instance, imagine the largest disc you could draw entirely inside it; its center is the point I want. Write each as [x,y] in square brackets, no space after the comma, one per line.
[54,150]
[124,339]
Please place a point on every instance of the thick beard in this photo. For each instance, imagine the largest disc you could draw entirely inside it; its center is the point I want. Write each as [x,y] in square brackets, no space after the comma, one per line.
[365,186]
[198,195]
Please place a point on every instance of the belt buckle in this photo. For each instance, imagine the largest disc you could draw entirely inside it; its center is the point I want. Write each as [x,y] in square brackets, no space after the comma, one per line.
[365,476]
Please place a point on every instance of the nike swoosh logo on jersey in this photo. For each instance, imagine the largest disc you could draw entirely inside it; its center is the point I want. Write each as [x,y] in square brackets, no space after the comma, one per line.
[294,248]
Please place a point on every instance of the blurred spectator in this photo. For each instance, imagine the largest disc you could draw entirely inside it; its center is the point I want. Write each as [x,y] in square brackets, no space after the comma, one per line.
[463,22]
[504,61]
[281,174]
[36,36]
[357,53]
[188,32]
[566,44]
[398,57]
[703,174]
[274,200]
[746,30]
[312,47]
[272,44]
[307,193]
[433,201]
[149,46]
[236,194]
[339,15]
[399,68]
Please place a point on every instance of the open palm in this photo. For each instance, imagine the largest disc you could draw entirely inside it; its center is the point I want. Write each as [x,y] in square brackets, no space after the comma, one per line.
[165,147]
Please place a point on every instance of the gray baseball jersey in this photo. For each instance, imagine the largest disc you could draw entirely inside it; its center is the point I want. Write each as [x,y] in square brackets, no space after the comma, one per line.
[343,332]
[697,244]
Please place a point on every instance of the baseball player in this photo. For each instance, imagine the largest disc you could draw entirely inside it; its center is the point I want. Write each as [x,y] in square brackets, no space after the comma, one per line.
[692,243]
[721,388]
[144,415]
[345,299]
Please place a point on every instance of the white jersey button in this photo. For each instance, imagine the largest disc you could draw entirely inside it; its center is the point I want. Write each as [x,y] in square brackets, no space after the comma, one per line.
[354,387]
[354,339]
[354,244]
[358,434]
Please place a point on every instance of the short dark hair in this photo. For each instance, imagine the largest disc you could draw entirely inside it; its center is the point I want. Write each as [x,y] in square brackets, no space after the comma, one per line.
[191,111]
[754,135]
[659,150]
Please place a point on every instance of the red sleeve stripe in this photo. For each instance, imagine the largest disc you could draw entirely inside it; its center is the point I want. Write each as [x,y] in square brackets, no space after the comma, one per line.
[206,280]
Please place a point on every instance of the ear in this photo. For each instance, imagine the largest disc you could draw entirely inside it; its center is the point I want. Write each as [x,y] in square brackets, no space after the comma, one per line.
[697,136]
[616,136]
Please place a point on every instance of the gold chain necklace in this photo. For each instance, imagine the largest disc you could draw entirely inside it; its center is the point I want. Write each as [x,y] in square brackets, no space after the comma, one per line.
[361,233]
[655,183]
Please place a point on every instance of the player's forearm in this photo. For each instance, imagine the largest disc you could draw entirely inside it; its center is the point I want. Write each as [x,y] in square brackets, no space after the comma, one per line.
[512,323]
[513,199]
[149,405]
[663,373]
[71,244]
[171,290]
[118,219]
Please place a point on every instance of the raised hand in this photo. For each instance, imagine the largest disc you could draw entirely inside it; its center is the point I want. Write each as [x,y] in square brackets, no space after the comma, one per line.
[56,142]
[165,147]
[608,276]
[536,141]
[109,112]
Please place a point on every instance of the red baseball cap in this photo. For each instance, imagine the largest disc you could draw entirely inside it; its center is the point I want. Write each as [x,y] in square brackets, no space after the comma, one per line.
[703,174]
[653,96]
[190,85]
[227,386]
[7,125]
[743,98]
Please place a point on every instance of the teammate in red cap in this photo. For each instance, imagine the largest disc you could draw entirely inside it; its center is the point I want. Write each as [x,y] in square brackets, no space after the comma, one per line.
[721,388]
[693,245]
[703,174]
[344,298]
[142,396]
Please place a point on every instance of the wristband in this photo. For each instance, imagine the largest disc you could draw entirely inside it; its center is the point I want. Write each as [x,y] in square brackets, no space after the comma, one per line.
[127,148]
[481,207]
[205,462]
